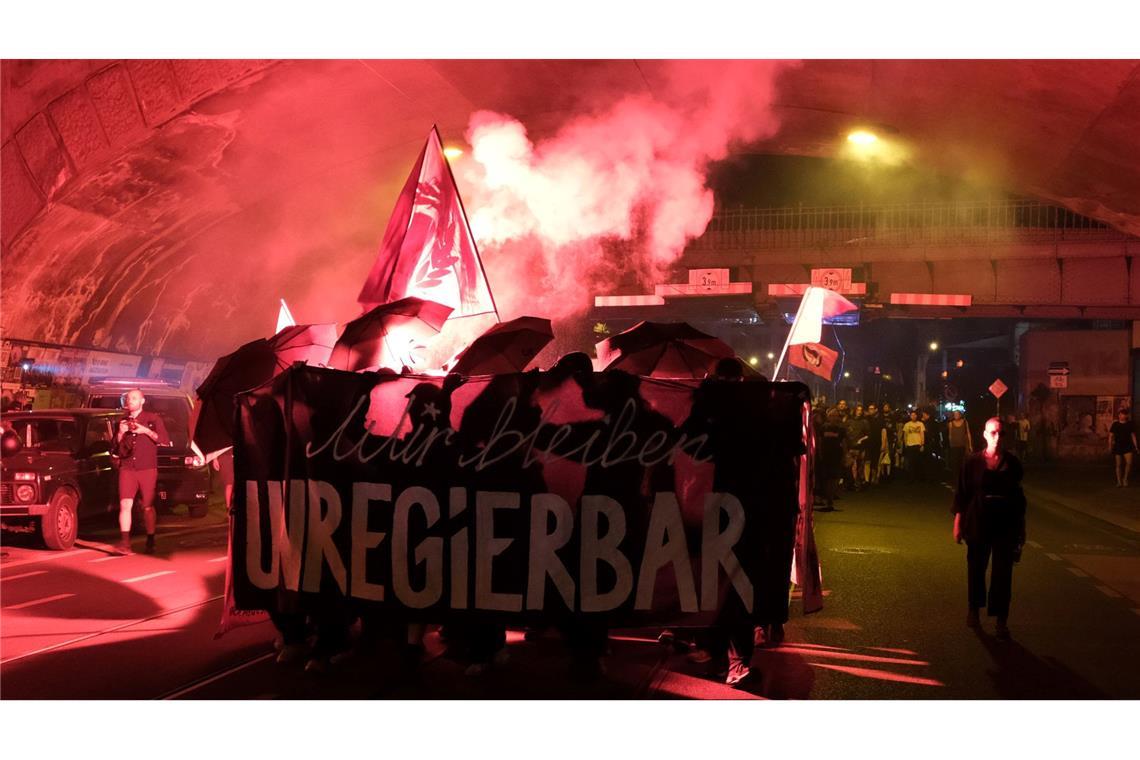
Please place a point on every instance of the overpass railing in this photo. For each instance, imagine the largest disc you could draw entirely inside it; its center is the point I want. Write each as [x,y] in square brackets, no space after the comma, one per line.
[956,223]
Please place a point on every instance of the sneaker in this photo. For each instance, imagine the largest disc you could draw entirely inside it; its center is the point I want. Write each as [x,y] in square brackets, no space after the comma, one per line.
[739,676]
[317,666]
[149,549]
[972,619]
[476,669]
[1001,631]
[775,634]
[290,653]
[123,549]
[699,656]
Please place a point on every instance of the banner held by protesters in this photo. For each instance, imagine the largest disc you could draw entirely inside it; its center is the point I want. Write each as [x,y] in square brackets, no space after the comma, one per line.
[439,501]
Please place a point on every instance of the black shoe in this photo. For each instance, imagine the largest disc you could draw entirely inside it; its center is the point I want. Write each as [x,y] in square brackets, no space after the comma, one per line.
[149,544]
[123,548]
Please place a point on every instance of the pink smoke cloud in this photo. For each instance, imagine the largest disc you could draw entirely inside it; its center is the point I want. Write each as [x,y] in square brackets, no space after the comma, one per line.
[614,195]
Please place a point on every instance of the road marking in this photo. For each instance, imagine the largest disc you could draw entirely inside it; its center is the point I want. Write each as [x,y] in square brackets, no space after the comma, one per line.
[52,558]
[112,629]
[1108,592]
[1056,557]
[34,602]
[107,559]
[23,575]
[148,577]
[1077,572]
[1034,544]
[223,558]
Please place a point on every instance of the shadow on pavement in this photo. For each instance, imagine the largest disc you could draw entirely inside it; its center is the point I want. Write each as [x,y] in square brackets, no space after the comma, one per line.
[102,599]
[1020,674]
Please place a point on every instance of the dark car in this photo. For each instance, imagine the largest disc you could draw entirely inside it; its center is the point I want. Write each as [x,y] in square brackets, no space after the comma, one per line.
[180,479]
[56,470]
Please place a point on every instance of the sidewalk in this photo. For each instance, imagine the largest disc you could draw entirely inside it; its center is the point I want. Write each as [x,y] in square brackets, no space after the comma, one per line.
[1087,488]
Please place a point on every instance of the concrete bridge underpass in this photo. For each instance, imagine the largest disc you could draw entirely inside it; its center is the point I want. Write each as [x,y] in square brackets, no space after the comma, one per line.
[1014,258]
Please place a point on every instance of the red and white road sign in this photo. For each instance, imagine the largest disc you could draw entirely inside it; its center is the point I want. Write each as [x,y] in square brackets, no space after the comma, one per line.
[998,388]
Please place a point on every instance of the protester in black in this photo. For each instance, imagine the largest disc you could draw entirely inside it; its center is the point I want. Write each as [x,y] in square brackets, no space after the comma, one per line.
[137,439]
[989,515]
[1122,443]
[832,440]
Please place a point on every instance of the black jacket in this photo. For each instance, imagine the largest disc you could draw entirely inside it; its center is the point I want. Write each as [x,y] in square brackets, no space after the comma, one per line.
[992,503]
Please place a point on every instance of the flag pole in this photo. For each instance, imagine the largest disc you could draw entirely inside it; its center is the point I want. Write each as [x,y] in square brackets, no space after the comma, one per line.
[792,329]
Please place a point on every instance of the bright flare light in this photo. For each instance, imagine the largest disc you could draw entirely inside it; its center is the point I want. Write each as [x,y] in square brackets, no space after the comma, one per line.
[453,152]
[847,374]
[862,137]
[933,345]
[755,360]
[771,355]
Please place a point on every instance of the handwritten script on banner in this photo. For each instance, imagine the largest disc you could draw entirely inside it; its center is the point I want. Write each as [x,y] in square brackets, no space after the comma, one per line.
[520,497]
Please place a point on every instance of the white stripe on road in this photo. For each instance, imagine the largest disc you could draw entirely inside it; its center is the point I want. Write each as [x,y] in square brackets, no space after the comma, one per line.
[219,559]
[1034,544]
[34,602]
[1056,557]
[107,559]
[105,631]
[23,575]
[148,577]
[1108,592]
[1078,573]
[50,558]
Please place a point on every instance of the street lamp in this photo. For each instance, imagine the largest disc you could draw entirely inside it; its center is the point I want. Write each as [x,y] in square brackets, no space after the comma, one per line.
[771,356]
[754,361]
[846,374]
[933,345]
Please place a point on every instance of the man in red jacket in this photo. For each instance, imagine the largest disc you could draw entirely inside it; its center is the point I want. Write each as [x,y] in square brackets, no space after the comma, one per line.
[137,439]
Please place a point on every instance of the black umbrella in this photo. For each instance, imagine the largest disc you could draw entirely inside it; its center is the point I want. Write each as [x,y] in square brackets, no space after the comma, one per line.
[386,335]
[506,347]
[312,344]
[248,367]
[663,349]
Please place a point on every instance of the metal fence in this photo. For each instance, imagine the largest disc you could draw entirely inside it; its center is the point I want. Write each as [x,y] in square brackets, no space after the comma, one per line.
[974,222]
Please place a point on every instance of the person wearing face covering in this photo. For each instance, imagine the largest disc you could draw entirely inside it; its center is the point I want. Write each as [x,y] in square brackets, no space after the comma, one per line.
[989,515]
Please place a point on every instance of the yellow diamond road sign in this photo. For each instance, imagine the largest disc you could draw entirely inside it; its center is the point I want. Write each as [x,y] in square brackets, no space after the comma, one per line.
[998,388]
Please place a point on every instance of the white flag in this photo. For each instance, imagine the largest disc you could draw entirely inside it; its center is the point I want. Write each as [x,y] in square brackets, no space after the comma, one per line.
[284,318]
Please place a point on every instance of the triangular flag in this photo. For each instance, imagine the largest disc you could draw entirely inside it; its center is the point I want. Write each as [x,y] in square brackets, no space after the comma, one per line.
[818,305]
[284,318]
[428,250]
[814,357]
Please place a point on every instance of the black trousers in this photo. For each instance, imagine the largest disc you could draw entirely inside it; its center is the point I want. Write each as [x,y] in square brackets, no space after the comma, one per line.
[1001,576]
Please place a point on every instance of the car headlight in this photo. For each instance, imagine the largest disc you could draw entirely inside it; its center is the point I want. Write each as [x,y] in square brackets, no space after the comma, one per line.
[25,493]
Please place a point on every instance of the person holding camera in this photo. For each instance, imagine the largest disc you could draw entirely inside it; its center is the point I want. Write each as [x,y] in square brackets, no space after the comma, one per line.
[137,439]
[989,515]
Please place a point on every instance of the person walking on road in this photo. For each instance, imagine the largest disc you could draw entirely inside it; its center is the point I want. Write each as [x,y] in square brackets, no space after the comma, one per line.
[1122,443]
[960,443]
[137,439]
[989,515]
[831,443]
[914,444]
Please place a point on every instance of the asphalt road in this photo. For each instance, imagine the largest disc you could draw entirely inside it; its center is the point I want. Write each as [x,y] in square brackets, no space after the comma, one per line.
[82,624]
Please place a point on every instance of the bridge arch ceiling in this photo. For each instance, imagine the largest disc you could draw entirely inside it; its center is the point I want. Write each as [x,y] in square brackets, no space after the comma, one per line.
[124,182]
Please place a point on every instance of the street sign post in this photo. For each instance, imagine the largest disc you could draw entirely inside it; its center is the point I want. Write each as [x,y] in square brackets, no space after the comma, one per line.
[998,388]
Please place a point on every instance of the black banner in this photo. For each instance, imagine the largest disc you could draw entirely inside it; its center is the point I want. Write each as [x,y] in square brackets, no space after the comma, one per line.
[520,498]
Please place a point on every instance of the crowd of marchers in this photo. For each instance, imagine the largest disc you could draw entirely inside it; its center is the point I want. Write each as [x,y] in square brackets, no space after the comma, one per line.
[861,446]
